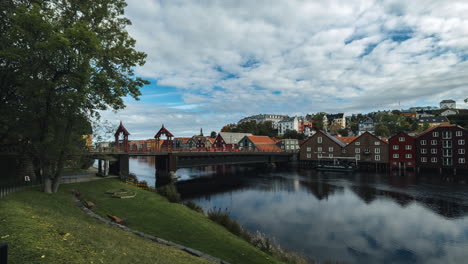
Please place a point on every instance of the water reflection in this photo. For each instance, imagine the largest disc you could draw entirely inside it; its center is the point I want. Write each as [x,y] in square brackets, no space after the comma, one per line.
[355,218]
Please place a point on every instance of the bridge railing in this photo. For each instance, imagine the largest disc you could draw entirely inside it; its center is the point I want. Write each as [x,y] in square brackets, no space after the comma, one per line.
[175,150]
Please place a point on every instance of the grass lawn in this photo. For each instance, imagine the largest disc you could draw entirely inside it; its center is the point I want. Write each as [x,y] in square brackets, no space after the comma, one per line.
[36,224]
[42,228]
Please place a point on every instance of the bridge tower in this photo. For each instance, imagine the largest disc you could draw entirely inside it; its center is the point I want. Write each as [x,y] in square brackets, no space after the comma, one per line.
[167,143]
[121,130]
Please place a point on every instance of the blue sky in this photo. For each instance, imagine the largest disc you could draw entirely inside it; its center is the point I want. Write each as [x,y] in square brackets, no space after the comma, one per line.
[213,62]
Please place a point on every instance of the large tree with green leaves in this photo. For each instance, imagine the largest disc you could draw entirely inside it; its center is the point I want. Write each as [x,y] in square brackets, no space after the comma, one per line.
[62,61]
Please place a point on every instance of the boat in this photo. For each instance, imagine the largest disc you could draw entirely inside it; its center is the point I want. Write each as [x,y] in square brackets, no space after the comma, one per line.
[333,167]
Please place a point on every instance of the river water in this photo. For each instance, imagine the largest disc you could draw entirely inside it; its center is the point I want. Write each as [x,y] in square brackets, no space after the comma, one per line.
[363,217]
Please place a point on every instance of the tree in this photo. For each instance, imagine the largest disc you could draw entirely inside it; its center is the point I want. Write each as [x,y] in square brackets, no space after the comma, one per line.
[382,130]
[343,132]
[318,120]
[293,134]
[213,134]
[61,61]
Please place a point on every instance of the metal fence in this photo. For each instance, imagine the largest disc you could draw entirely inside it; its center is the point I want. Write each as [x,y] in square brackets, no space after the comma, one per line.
[11,187]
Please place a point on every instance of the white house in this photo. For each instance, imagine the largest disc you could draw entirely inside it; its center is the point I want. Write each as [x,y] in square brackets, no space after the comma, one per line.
[449,112]
[275,119]
[291,123]
[448,104]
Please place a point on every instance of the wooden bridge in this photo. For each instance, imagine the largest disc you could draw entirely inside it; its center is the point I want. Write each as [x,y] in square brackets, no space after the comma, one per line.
[169,162]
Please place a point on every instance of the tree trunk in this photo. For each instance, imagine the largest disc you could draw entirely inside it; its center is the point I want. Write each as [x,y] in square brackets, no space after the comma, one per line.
[55,184]
[47,185]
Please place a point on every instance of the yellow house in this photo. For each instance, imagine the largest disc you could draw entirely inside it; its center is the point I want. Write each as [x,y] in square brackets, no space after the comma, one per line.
[89,140]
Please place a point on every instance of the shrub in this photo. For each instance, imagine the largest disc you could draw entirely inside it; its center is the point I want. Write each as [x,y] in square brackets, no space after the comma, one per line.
[170,192]
[192,205]
[258,239]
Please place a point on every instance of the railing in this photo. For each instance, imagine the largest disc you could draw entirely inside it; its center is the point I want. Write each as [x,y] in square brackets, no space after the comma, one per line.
[11,187]
[175,150]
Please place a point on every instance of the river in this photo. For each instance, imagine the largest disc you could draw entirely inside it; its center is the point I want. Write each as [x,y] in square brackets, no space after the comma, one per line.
[363,217]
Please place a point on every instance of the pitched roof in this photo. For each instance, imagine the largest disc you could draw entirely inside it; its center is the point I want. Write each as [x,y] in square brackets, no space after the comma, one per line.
[447,101]
[163,131]
[346,139]
[183,139]
[212,140]
[122,129]
[269,148]
[233,138]
[434,127]
[337,141]
[384,140]
[261,140]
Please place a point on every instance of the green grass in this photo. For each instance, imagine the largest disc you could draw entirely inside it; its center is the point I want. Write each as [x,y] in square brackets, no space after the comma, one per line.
[42,228]
[151,213]
[148,212]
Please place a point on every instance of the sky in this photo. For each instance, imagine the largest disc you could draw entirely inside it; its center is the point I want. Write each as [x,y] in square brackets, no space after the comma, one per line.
[211,63]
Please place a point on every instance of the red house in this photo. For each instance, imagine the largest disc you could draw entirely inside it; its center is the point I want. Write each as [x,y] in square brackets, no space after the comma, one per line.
[402,151]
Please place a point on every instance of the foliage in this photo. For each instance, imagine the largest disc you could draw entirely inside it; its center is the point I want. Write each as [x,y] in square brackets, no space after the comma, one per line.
[318,120]
[192,205]
[461,120]
[257,239]
[60,63]
[293,134]
[343,132]
[213,134]
[382,130]
[170,192]
[259,129]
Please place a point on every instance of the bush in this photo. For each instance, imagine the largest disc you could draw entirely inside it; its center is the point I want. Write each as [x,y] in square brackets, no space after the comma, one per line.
[192,205]
[258,239]
[170,192]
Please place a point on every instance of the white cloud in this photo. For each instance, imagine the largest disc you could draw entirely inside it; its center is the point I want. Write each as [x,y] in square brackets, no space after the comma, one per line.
[296,56]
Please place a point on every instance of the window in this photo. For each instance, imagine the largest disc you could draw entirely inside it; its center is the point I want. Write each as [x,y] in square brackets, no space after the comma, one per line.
[377,143]
[423,142]
[408,147]
[447,153]
[309,155]
[459,133]
[401,139]
[319,149]
[396,147]
[287,147]
[446,134]
[461,142]
[330,155]
[447,162]
[447,143]
[435,134]
[330,149]
[461,151]
[357,150]
[433,160]
[408,156]
[377,150]
[423,151]
[433,142]
[320,155]
[242,144]
[461,160]
[377,157]
[433,151]
[358,157]
[319,139]
[423,159]
[396,156]
[357,143]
